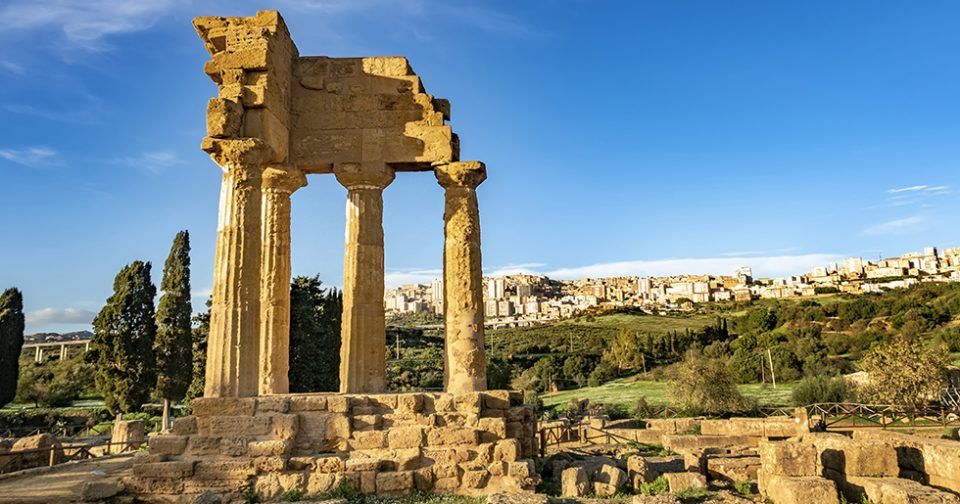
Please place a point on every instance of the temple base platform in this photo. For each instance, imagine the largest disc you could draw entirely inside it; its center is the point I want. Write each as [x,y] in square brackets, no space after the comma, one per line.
[472,443]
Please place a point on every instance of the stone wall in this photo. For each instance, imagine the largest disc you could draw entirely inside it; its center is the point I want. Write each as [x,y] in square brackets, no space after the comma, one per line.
[885,468]
[471,443]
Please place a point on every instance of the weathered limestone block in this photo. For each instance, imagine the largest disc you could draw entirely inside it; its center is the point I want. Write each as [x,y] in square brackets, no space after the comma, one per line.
[608,480]
[223,406]
[788,458]
[444,436]
[899,491]
[574,482]
[841,455]
[184,426]
[646,469]
[405,437]
[301,403]
[797,490]
[43,442]
[224,118]
[168,444]
[129,433]
[733,468]
[681,481]
[160,470]
[99,490]
[388,483]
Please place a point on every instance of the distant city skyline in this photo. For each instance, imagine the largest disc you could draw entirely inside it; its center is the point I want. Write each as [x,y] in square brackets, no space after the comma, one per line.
[620,138]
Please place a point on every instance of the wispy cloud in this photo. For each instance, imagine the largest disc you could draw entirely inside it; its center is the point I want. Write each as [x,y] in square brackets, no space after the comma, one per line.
[921,189]
[396,278]
[154,162]
[84,25]
[29,156]
[915,195]
[898,226]
[46,316]
[86,114]
[12,67]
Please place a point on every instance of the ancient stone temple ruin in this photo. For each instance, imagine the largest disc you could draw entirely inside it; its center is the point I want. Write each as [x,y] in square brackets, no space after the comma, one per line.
[278,118]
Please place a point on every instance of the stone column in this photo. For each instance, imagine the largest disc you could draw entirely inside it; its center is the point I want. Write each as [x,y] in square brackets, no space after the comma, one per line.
[233,344]
[363,362]
[465,359]
[278,185]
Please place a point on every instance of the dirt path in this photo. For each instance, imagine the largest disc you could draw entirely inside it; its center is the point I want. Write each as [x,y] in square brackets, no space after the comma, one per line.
[61,484]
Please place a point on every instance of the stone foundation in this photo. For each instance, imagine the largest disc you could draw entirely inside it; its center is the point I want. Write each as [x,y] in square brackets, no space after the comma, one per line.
[472,443]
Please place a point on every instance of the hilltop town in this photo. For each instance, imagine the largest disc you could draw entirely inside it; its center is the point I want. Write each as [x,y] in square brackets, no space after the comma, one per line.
[525,299]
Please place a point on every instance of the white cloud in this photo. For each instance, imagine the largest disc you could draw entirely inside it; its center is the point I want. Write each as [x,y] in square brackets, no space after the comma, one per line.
[84,24]
[897,226]
[764,266]
[29,156]
[775,266]
[154,162]
[59,316]
[394,279]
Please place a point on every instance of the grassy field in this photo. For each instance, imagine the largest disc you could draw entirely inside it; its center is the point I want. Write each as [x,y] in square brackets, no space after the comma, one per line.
[627,391]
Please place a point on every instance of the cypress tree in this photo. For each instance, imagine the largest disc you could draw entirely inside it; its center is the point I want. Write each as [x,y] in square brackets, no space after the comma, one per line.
[11,342]
[200,334]
[173,346]
[122,344]
[314,336]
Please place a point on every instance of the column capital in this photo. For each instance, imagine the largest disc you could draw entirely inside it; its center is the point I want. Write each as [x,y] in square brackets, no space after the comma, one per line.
[283,179]
[364,175]
[239,152]
[465,174]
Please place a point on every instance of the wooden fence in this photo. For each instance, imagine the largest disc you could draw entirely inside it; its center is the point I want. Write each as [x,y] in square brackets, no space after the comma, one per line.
[56,454]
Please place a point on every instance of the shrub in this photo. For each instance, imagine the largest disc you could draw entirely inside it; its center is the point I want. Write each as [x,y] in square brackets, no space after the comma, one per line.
[703,386]
[823,389]
[655,487]
[616,411]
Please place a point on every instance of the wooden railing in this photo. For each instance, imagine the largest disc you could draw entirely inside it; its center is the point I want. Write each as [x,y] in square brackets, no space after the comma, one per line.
[57,454]
[882,415]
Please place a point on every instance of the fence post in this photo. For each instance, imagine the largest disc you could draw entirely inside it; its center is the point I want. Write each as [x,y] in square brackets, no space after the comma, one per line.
[53,454]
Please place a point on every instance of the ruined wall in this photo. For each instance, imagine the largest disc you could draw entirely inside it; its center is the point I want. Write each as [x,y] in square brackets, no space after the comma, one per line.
[473,443]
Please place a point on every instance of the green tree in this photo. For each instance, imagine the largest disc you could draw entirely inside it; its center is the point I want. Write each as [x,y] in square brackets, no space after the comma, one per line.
[704,386]
[314,336]
[54,384]
[122,344]
[201,331]
[11,342]
[173,346]
[905,372]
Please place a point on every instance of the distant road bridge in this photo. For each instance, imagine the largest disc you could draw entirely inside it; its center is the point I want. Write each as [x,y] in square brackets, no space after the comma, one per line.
[39,350]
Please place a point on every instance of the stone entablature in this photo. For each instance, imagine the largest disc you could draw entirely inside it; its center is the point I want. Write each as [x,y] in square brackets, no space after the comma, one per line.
[471,443]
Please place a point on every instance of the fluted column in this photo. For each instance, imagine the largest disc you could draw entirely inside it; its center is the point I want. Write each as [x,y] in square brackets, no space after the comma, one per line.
[278,185]
[465,358]
[233,343]
[363,363]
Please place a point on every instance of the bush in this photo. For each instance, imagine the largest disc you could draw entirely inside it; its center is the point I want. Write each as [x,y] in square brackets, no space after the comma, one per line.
[655,487]
[616,411]
[905,372]
[703,386]
[54,384]
[823,389]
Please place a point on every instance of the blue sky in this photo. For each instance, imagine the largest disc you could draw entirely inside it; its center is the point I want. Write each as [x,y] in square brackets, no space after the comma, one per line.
[646,137]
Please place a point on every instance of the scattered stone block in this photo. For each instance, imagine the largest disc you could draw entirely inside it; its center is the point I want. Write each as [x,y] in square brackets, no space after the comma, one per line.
[101,489]
[574,482]
[608,480]
[898,491]
[681,481]
[797,489]
[788,458]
